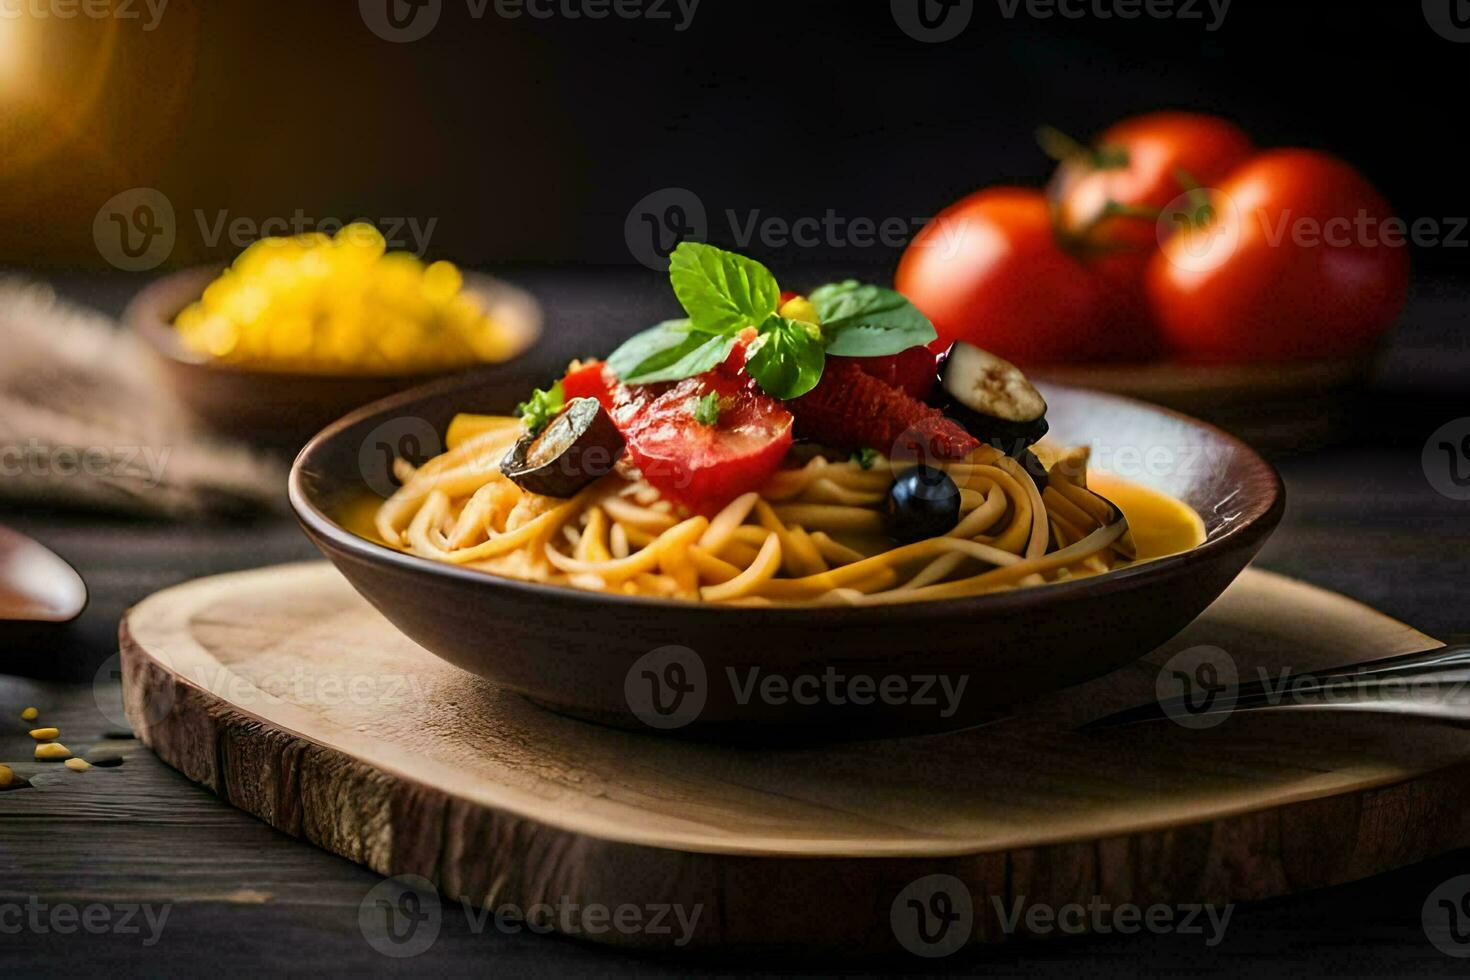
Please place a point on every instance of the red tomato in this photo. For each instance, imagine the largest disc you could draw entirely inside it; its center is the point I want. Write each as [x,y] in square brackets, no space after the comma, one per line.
[913,370]
[1136,163]
[703,466]
[591,380]
[989,269]
[734,364]
[1301,260]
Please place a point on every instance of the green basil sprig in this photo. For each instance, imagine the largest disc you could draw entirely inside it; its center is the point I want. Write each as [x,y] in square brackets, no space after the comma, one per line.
[724,293]
[786,357]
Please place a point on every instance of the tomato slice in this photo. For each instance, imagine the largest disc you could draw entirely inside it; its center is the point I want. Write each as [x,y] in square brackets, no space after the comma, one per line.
[734,365]
[591,380]
[704,467]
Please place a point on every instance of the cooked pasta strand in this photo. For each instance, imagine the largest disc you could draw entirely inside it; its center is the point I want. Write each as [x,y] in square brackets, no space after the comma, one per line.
[814,533]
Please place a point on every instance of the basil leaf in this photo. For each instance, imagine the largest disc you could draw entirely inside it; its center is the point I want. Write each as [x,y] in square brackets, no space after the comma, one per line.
[649,344]
[707,409]
[787,358]
[721,291]
[668,352]
[646,344]
[862,320]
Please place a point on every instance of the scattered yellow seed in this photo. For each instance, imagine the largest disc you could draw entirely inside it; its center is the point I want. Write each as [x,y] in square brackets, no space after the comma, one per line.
[6,776]
[77,765]
[29,714]
[44,734]
[52,750]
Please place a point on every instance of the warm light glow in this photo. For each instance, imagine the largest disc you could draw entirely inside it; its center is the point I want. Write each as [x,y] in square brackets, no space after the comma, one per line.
[49,83]
[12,49]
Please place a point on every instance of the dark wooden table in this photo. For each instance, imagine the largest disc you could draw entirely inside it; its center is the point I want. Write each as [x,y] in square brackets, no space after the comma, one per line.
[241,897]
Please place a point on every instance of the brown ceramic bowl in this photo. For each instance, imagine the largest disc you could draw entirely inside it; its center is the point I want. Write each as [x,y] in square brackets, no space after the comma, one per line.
[605,657]
[1278,407]
[283,409]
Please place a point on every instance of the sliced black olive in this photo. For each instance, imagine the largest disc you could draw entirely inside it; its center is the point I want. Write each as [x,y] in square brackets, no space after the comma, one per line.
[992,399]
[923,502]
[580,445]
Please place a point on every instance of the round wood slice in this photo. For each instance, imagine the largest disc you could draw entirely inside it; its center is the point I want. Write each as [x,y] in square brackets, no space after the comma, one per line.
[289,696]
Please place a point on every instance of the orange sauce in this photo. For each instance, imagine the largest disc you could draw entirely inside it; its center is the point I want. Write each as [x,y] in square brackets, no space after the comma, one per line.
[1160,524]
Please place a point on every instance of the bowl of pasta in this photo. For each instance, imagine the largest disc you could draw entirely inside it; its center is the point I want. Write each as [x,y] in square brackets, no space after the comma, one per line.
[783,512]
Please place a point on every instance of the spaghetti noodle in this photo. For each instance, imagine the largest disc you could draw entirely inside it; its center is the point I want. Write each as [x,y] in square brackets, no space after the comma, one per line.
[814,533]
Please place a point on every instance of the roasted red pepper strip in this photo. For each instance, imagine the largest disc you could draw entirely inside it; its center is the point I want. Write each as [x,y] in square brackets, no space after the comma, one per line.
[851,409]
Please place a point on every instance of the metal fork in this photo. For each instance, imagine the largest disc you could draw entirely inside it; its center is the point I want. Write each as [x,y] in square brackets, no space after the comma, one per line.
[1429,684]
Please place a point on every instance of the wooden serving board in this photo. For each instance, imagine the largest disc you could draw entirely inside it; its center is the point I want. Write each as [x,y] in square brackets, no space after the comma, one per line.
[285,693]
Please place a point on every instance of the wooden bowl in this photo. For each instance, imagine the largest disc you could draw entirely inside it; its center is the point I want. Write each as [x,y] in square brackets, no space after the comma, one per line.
[1276,407]
[283,409]
[597,656]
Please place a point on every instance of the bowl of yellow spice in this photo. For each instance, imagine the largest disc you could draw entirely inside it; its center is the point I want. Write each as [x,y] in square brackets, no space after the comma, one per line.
[298,331]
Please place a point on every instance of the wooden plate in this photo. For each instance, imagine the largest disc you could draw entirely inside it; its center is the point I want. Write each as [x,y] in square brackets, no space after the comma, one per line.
[282,691]
[611,658]
[283,409]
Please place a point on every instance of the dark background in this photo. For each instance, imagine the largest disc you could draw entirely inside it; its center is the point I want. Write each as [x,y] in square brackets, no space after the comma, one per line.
[529,140]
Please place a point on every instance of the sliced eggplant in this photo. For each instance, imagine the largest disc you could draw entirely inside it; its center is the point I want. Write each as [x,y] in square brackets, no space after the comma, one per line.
[580,445]
[992,399]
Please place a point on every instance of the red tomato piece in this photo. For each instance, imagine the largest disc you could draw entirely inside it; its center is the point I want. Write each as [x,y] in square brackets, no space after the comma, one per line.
[914,370]
[734,365]
[591,380]
[990,269]
[1137,163]
[704,467]
[1299,258]
[850,409]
